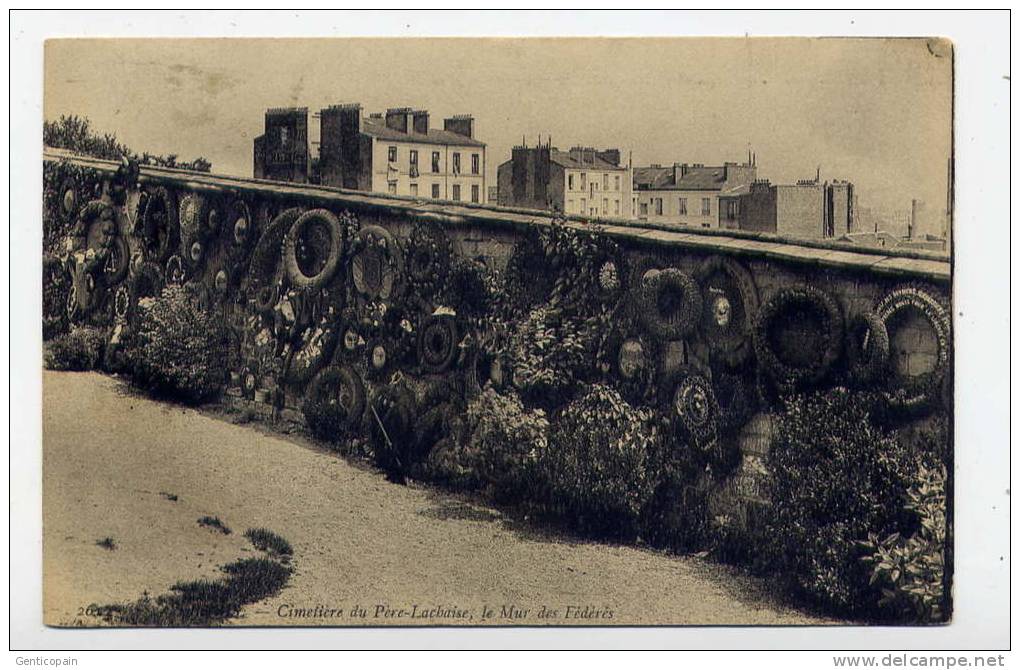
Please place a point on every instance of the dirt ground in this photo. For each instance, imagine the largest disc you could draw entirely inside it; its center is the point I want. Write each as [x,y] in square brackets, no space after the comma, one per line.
[378,553]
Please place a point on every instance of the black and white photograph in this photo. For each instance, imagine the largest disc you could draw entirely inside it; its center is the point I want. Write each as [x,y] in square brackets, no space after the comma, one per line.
[509,332]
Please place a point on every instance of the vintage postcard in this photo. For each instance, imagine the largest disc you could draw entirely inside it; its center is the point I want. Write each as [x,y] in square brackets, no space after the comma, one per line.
[497,332]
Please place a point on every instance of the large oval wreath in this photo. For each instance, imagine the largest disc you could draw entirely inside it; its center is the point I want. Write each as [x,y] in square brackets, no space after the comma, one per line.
[730,300]
[798,335]
[376,265]
[867,348]
[669,304]
[334,402]
[192,212]
[68,199]
[159,225]
[916,394]
[265,259]
[238,227]
[312,249]
[528,278]
[438,343]
[313,352]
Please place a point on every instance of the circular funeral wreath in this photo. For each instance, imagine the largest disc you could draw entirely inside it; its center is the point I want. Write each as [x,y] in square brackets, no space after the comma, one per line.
[438,343]
[736,397]
[428,258]
[669,304]
[867,348]
[238,226]
[792,305]
[334,402]
[730,300]
[376,264]
[692,406]
[159,224]
[299,250]
[118,261]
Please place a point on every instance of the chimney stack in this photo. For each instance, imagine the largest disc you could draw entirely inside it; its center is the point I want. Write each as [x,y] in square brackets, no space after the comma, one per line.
[421,122]
[461,124]
[400,119]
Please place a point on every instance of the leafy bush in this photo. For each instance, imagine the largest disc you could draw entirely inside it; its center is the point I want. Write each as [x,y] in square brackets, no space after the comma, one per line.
[80,349]
[910,571]
[551,352]
[676,514]
[506,441]
[835,479]
[597,468]
[180,350]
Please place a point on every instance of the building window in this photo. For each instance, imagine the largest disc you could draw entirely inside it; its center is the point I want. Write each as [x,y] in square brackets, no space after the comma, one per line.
[706,225]
[584,205]
[644,209]
[616,205]
[584,182]
[570,206]
[435,191]
[414,190]
[413,157]
[435,161]
[605,182]
[616,183]
[393,187]
[732,209]
[658,207]
[456,190]
[605,205]
[681,207]
[474,192]
[456,163]
[570,182]
[392,155]
[283,136]
[475,164]
[706,207]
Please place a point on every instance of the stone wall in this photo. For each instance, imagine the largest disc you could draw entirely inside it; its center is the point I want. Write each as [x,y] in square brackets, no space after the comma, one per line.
[771,314]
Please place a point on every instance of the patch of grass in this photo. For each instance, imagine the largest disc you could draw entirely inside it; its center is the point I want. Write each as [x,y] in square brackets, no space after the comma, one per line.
[106,543]
[268,541]
[203,602]
[214,523]
[172,497]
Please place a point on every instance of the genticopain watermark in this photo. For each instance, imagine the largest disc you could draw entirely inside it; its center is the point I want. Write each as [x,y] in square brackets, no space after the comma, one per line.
[44,661]
[919,661]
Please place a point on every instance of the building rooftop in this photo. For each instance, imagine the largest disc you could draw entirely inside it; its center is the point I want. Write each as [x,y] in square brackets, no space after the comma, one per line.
[695,178]
[376,126]
[593,162]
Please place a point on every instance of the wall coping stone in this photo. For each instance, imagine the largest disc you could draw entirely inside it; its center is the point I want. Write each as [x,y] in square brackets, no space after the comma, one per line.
[907,264]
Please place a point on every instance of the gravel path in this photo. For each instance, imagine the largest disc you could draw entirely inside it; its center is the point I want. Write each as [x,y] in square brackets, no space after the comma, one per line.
[113,461]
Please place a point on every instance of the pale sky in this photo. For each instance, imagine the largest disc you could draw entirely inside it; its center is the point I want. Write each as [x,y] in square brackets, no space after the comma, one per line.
[876,112]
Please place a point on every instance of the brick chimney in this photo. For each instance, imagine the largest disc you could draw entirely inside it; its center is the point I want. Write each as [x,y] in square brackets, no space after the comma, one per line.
[461,124]
[400,119]
[679,170]
[611,156]
[421,122]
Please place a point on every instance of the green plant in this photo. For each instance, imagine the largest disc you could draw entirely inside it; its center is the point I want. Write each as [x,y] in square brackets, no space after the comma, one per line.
[910,571]
[551,352]
[835,478]
[268,541]
[202,602]
[76,134]
[80,349]
[180,350]
[506,441]
[214,523]
[597,471]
